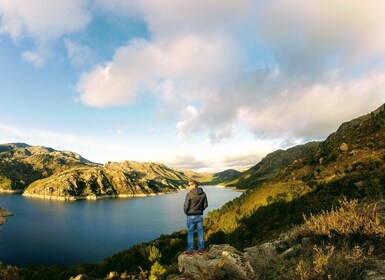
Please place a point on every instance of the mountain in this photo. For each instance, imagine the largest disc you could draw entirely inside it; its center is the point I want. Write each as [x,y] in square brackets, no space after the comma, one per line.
[127,178]
[44,172]
[225,176]
[271,165]
[22,164]
[207,178]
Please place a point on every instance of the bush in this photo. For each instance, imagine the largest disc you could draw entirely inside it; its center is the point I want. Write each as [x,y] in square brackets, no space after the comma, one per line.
[8,272]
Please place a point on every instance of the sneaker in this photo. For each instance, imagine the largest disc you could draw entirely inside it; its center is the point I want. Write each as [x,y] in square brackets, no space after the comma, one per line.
[200,252]
[189,253]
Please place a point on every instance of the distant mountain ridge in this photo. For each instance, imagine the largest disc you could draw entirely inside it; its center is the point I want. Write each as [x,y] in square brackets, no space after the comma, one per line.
[271,165]
[44,172]
[124,179]
[22,164]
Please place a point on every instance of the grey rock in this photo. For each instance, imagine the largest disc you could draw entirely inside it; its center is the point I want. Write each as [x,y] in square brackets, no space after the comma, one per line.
[219,262]
[237,266]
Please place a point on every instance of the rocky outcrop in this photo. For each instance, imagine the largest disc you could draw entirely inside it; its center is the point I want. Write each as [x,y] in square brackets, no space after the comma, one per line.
[4,213]
[225,262]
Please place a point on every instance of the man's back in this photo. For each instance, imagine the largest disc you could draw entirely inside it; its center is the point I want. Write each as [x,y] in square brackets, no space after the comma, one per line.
[195,202]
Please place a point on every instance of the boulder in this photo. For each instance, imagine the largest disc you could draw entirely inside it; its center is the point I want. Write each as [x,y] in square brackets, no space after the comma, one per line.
[221,261]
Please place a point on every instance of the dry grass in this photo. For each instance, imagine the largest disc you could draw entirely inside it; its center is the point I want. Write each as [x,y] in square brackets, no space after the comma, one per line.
[329,263]
[349,219]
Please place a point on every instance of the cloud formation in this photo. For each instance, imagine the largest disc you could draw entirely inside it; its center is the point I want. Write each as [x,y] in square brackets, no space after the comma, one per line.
[290,69]
[303,68]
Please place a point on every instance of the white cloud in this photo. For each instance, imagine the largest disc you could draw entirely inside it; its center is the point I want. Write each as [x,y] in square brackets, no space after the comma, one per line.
[78,54]
[315,111]
[190,64]
[216,160]
[33,57]
[173,18]
[42,21]
[309,36]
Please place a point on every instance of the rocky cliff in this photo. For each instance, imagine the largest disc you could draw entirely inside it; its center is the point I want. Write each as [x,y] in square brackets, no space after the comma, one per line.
[4,213]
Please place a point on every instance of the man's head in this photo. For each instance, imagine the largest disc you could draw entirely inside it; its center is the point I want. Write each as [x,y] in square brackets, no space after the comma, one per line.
[193,184]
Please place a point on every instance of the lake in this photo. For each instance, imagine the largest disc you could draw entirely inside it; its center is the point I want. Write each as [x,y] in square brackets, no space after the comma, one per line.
[51,232]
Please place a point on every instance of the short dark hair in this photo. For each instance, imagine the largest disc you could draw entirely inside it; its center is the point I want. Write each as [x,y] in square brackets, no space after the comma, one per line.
[193,182]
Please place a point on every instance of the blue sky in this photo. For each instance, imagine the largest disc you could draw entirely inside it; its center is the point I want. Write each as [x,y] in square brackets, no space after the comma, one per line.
[202,85]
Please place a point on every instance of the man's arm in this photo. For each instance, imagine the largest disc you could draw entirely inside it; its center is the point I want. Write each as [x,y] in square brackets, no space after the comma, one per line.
[186,205]
[205,203]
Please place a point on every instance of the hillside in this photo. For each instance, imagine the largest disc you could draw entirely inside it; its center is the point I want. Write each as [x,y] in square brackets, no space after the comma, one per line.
[350,162]
[22,164]
[270,165]
[219,178]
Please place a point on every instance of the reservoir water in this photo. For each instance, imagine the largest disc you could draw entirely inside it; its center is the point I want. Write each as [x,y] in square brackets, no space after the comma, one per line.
[54,232]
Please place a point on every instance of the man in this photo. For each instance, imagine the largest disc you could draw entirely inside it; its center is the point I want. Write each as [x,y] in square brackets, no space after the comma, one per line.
[194,205]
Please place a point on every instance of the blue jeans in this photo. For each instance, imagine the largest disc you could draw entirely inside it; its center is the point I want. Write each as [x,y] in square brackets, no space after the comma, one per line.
[192,222]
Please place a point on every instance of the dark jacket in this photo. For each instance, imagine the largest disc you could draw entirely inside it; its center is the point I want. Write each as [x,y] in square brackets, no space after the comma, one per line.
[195,202]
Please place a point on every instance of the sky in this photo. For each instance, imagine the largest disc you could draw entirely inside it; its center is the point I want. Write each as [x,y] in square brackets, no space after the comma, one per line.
[201,85]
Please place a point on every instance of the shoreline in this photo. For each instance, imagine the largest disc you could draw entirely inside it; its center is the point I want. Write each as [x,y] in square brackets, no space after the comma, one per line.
[96,197]
[11,191]
[225,187]
[92,197]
